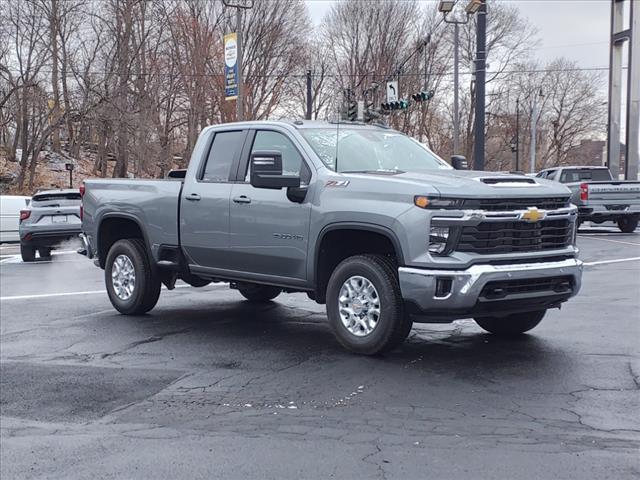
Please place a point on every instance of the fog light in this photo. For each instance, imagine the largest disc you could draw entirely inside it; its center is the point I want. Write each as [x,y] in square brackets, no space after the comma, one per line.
[443,287]
[438,237]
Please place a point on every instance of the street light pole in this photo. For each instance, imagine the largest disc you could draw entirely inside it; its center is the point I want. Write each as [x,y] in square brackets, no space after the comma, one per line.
[446,7]
[456,107]
[239,100]
[239,5]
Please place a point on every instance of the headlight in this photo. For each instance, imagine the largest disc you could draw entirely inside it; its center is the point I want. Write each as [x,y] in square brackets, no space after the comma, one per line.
[438,203]
[438,237]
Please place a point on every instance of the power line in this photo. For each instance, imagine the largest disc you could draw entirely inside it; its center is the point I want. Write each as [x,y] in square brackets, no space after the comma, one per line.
[334,75]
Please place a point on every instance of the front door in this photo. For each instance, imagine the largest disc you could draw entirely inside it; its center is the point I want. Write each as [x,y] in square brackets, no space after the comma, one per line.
[269,232]
[204,207]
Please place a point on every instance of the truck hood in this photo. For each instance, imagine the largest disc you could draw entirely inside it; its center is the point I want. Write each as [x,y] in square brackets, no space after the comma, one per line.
[464,184]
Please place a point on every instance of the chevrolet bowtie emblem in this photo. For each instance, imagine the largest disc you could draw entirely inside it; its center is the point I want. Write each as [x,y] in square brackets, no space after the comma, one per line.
[533,215]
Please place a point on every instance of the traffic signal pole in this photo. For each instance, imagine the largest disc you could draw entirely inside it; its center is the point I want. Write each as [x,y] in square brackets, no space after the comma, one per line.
[480,71]
[309,97]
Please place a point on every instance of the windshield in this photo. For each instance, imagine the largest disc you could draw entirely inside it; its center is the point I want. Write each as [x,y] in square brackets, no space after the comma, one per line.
[365,150]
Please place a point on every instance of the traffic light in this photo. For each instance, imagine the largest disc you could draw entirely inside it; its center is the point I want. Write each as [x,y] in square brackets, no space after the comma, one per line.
[397,105]
[352,111]
[423,96]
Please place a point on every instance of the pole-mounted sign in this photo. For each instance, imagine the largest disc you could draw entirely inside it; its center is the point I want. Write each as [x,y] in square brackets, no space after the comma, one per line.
[231,66]
[392,91]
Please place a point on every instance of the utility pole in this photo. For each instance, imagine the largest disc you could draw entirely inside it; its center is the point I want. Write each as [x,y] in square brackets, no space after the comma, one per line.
[309,97]
[480,72]
[534,127]
[517,134]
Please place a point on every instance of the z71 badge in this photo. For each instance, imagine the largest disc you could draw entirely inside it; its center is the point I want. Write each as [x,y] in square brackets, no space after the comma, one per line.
[336,183]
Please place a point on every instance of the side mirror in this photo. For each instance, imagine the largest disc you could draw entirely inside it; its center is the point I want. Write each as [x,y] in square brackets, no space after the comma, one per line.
[266,171]
[459,162]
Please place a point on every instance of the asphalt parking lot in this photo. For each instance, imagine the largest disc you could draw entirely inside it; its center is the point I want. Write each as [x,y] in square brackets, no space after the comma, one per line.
[209,386]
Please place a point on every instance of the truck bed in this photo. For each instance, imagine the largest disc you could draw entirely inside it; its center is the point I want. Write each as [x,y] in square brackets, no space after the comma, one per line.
[155,203]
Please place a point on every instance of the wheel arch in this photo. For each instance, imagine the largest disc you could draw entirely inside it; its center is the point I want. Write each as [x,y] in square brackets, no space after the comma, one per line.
[118,226]
[380,239]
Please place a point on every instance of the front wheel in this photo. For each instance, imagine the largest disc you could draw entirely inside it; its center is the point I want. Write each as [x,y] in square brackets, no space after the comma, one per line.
[627,224]
[133,285]
[513,324]
[365,306]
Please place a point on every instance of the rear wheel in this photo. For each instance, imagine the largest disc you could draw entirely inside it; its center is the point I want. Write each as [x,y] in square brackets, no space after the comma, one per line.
[258,293]
[627,224]
[44,252]
[513,324]
[28,254]
[133,285]
[365,306]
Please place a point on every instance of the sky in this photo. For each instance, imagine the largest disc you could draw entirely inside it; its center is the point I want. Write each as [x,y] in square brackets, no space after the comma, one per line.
[575,29]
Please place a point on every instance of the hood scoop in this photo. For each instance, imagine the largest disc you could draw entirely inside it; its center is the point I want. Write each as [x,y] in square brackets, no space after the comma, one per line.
[509,181]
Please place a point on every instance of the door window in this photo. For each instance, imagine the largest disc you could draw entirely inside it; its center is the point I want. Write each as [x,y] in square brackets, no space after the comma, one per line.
[291,159]
[224,150]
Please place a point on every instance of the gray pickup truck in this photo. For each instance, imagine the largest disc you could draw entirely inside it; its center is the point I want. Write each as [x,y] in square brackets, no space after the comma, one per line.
[598,196]
[362,218]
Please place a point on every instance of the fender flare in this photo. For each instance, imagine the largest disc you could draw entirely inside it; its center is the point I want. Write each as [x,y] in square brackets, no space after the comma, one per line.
[367,227]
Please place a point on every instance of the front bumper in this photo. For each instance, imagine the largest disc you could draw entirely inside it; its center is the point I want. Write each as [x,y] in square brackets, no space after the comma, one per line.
[467,296]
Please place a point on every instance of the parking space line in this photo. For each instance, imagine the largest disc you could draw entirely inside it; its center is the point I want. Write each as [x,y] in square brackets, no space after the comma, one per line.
[16,258]
[605,262]
[609,240]
[89,292]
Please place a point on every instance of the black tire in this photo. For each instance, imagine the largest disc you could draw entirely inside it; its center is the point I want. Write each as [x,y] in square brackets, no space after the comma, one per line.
[44,252]
[147,282]
[393,324]
[258,293]
[627,224]
[28,254]
[514,324]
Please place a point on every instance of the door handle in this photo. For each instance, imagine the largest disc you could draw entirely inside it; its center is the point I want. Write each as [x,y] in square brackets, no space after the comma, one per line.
[194,197]
[241,199]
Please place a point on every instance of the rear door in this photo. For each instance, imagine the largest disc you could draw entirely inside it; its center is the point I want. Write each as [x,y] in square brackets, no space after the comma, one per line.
[269,232]
[204,214]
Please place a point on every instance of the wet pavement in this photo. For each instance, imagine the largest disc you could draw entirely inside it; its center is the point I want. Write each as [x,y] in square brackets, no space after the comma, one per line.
[210,386]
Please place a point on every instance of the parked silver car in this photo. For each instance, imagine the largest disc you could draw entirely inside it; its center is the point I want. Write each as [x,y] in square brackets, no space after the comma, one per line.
[52,217]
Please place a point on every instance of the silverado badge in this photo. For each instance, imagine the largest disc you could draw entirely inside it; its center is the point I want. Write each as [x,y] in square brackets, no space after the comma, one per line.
[533,215]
